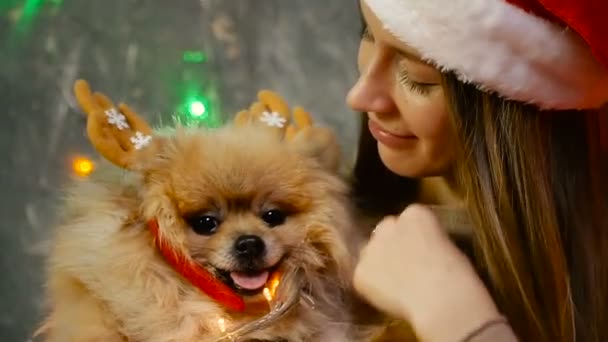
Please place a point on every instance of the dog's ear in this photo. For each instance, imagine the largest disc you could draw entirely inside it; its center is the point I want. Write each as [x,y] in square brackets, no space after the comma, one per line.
[328,242]
[296,129]
[118,133]
[313,141]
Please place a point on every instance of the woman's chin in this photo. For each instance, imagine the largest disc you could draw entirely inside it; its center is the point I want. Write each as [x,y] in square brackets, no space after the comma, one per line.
[410,163]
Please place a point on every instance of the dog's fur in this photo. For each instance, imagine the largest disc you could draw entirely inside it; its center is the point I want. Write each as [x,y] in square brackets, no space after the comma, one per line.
[107,281]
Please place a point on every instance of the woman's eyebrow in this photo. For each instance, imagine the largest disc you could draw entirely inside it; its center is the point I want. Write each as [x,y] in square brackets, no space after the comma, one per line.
[413,56]
[409,55]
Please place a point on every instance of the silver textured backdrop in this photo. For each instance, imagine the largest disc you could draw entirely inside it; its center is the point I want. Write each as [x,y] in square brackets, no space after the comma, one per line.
[158,56]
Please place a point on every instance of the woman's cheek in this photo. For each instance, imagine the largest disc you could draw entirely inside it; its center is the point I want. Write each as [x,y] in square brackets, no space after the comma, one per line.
[429,118]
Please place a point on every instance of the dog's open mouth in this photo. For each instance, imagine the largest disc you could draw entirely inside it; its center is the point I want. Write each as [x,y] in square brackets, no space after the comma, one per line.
[250,282]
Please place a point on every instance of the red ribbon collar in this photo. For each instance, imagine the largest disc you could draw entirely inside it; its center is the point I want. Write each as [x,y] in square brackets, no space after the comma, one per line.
[196,275]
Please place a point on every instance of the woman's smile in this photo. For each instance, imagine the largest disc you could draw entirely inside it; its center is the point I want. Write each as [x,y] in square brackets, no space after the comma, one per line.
[390,139]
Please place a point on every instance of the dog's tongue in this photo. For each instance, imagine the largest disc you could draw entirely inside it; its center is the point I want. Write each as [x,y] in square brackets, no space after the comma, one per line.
[249,281]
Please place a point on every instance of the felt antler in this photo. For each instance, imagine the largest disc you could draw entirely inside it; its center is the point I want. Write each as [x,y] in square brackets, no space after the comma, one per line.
[272,111]
[116,133]
[301,122]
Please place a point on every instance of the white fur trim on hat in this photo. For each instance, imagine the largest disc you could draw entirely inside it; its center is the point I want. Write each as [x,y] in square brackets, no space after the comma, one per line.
[500,47]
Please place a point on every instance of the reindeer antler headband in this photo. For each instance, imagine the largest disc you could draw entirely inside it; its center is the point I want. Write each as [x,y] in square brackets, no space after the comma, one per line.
[115,132]
[118,133]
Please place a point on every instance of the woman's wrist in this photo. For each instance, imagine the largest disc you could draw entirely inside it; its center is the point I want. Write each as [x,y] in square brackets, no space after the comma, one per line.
[458,329]
[490,329]
[456,321]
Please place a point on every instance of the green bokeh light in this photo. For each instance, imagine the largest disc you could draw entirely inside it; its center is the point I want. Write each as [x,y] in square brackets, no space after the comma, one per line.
[24,14]
[30,10]
[197,108]
[194,57]
[196,92]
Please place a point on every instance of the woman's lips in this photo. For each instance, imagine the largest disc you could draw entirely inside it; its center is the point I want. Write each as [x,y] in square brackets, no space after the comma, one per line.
[387,138]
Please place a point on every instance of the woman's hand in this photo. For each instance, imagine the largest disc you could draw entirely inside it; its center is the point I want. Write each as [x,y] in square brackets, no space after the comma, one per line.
[410,269]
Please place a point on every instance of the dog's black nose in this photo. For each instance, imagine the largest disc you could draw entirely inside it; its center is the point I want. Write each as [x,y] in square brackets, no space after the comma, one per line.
[249,246]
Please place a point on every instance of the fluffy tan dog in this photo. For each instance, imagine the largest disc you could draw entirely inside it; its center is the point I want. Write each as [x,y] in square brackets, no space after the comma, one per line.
[248,203]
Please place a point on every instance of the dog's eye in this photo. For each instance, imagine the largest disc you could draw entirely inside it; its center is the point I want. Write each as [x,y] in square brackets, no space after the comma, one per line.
[274,217]
[204,225]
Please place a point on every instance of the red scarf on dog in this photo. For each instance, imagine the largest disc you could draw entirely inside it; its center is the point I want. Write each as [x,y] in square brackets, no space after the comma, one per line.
[196,275]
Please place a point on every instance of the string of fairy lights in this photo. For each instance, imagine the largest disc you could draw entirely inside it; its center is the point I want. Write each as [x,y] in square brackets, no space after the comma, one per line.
[198,105]
[197,108]
[198,99]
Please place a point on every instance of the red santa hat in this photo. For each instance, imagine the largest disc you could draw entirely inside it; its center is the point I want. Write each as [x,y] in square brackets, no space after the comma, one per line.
[553,53]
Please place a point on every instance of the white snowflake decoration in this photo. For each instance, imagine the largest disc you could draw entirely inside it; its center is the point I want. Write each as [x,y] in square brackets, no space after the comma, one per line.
[273,119]
[117,119]
[140,140]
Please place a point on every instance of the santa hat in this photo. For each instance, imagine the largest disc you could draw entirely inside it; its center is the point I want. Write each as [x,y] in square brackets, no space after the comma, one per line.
[553,53]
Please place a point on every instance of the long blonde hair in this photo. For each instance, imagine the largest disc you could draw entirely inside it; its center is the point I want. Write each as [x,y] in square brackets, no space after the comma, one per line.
[535,185]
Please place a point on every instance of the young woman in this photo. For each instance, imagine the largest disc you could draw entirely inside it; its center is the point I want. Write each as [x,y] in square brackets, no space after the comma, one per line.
[490,113]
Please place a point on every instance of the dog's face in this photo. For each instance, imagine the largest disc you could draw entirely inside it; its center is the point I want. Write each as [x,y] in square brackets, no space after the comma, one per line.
[245,223]
[243,205]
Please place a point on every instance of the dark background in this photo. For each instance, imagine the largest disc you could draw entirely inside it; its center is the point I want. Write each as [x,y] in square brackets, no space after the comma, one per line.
[158,56]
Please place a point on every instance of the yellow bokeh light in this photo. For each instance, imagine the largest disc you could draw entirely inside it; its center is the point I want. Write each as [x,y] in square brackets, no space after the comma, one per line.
[82,166]
[274,283]
[221,323]
[267,294]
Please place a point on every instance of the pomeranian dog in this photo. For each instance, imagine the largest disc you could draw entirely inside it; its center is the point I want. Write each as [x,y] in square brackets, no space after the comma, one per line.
[248,203]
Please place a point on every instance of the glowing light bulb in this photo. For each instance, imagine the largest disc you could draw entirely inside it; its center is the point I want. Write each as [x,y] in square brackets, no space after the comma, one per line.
[221,323]
[274,283]
[82,166]
[194,57]
[197,108]
[267,294]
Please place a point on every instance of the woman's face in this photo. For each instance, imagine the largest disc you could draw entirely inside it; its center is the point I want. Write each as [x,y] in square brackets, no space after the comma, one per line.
[405,104]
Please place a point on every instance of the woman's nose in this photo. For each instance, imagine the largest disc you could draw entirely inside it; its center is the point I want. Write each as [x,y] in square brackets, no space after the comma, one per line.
[371,93]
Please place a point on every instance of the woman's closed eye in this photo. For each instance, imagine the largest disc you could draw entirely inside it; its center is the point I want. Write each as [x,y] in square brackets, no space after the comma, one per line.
[421,88]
